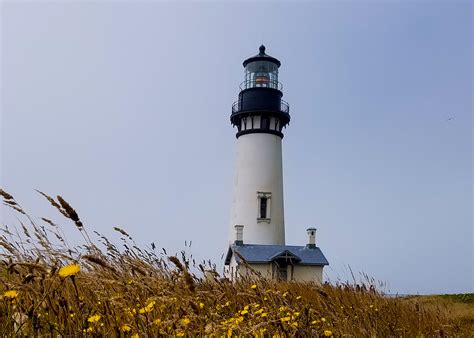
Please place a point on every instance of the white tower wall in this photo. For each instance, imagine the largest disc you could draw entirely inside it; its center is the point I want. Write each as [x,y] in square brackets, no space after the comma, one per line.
[258,172]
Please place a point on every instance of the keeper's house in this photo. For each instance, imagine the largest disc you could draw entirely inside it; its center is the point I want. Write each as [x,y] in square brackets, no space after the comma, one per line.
[284,262]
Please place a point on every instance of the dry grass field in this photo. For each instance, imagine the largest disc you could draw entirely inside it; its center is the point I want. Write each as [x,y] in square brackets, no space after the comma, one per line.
[459,308]
[100,288]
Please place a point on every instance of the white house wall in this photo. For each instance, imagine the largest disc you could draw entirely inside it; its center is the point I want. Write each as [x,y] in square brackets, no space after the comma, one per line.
[301,273]
[234,270]
[264,270]
[231,270]
[308,273]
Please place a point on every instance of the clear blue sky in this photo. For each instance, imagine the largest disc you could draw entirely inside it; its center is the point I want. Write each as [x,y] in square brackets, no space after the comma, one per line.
[123,108]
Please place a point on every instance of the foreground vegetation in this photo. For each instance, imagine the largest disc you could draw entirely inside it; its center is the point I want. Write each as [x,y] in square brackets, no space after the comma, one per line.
[101,289]
[459,308]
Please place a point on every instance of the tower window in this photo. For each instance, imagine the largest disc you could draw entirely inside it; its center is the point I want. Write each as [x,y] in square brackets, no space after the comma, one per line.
[263,207]
[264,204]
[265,124]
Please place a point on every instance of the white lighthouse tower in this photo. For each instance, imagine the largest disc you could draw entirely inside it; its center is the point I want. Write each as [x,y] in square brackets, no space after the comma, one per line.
[257,224]
[260,114]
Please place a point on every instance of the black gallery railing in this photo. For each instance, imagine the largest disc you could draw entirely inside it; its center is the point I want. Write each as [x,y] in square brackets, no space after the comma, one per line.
[238,105]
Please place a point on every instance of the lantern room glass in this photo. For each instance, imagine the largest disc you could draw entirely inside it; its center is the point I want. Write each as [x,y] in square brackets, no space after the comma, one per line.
[261,74]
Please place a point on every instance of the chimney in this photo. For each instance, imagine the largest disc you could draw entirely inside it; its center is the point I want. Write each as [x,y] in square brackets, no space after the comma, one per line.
[239,235]
[311,238]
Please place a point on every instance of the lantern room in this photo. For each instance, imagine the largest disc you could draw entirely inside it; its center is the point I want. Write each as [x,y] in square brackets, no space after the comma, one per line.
[261,71]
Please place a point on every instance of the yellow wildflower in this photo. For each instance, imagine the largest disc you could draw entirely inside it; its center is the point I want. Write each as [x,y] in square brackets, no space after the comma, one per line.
[323,320]
[264,314]
[314,322]
[254,286]
[93,319]
[201,305]
[285,294]
[298,298]
[296,314]
[157,321]
[180,334]
[135,335]
[259,311]
[295,324]
[282,308]
[12,294]
[125,328]
[285,319]
[327,333]
[243,312]
[185,321]
[147,308]
[69,270]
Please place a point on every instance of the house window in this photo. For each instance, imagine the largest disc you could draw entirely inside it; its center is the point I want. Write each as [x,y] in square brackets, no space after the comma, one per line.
[264,206]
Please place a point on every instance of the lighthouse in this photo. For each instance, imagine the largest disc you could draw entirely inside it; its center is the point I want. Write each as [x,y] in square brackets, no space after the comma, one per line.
[259,115]
[257,222]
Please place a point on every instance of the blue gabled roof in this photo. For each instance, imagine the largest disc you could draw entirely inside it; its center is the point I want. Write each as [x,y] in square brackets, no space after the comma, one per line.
[258,253]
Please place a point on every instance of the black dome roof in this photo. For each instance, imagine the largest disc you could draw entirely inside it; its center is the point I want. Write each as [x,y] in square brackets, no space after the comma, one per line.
[261,56]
